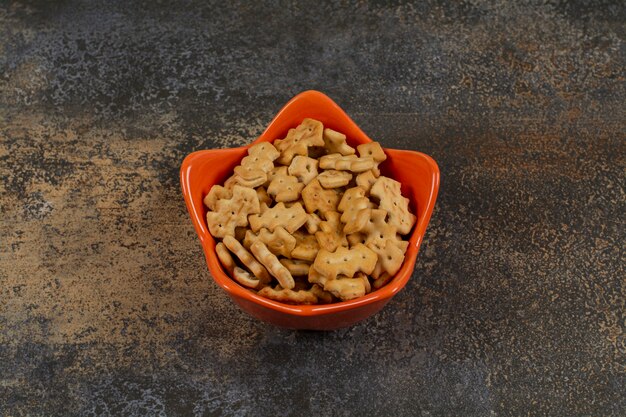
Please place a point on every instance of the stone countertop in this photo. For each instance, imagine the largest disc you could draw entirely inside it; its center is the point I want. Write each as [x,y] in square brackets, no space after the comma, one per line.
[516,305]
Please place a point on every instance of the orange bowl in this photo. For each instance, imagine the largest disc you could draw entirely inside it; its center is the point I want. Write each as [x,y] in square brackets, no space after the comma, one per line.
[418,173]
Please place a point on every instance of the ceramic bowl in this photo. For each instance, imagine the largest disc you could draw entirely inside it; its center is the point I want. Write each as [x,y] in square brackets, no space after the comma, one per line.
[418,173]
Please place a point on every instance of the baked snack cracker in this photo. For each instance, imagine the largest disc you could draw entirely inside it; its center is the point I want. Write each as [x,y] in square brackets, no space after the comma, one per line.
[318,222]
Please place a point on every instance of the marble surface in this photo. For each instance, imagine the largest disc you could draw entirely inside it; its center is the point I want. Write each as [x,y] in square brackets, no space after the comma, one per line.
[516,305]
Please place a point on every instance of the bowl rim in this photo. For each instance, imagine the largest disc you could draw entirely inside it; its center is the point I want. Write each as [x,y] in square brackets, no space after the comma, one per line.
[236,290]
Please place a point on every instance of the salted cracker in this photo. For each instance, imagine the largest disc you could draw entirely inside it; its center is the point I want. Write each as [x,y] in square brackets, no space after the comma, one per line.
[391,199]
[291,218]
[273,265]
[298,140]
[232,212]
[303,168]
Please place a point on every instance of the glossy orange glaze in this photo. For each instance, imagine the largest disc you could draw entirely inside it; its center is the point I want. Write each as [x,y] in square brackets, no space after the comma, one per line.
[418,173]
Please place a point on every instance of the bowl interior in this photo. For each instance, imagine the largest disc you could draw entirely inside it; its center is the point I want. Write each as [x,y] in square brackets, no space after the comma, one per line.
[417,173]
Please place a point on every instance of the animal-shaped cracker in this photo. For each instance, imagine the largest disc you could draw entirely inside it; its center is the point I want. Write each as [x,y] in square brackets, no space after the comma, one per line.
[223,255]
[391,199]
[261,192]
[345,261]
[306,247]
[273,265]
[335,142]
[279,242]
[331,235]
[217,193]
[248,260]
[315,197]
[315,277]
[390,255]
[303,168]
[233,212]
[346,163]
[298,140]
[334,179]
[255,166]
[276,171]
[288,296]
[312,222]
[285,188]
[382,280]
[245,278]
[346,288]
[297,267]
[354,206]
[355,238]
[376,229]
[291,218]
[323,297]
[374,151]
[365,180]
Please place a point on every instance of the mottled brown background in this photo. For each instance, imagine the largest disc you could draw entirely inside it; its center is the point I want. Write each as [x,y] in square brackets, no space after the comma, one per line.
[516,305]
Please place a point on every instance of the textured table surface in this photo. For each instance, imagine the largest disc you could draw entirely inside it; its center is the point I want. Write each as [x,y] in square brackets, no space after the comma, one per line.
[516,305]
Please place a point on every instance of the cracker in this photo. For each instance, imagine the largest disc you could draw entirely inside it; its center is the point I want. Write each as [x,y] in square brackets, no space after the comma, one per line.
[366,179]
[247,259]
[390,256]
[382,280]
[285,188]
[245,278]
[303,168]
[216,193]
[252,183]
[296,267]
[261,193]
[258,163]
[230,182]
[306,247]
[345,261]
[354,206]
[232,212]
[355,238]
[281,170]
[298,140]
[291,218]
[346,288]
[335,142]
[279,242]
[372,150]
[315,277]
[288,296]
[334,179]
[391,199]
[323,297]
[346,163]
[375,151]
[312,223]
[315,197]
[331,235]
[224,256]
[273,265]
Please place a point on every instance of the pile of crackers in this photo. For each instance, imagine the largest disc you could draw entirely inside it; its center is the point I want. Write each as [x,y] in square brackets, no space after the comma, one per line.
[309,219]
